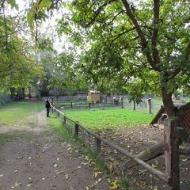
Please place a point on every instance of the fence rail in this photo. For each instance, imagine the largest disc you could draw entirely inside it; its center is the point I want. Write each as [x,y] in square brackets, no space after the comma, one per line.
[78,129]
[145,106]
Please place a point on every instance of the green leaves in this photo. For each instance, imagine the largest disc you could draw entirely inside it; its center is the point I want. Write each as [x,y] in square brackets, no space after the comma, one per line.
[13,4]
[37,11]
[30,19]
[45,4]
[128,47]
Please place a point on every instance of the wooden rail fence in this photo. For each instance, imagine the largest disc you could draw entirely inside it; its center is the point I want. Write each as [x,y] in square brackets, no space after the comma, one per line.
[98,140]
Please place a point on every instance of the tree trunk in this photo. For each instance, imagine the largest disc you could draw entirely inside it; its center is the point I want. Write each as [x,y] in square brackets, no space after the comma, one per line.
[172,153]
[167,101]
[171,139]
[12,91]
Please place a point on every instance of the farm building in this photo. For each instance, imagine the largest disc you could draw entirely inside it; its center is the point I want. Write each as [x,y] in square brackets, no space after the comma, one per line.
[93,96]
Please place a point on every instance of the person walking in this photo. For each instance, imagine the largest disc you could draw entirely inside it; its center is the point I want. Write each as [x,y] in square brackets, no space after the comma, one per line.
[48,107]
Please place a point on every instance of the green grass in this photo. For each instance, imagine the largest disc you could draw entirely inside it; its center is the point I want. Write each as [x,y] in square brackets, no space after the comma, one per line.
[11,136]
[110,118]
[15,111]
[58,128]
[6,137]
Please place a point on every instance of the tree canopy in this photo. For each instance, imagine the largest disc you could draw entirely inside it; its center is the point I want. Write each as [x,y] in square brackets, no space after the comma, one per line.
[145,43]
[120,46]
[17,63]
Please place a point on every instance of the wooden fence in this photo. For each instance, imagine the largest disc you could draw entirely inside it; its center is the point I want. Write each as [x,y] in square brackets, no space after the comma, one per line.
[79,130]
[145,105]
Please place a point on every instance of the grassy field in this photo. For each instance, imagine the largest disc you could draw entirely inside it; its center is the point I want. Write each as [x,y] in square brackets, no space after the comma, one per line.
[15,111]
[110,118]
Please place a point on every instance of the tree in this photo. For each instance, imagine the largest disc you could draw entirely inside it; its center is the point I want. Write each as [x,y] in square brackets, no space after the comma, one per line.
[152,40]
[17,61]
[150,37]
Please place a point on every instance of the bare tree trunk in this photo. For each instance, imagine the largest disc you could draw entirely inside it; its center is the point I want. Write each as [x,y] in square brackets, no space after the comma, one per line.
[167,101]
[172,141]
[172,153]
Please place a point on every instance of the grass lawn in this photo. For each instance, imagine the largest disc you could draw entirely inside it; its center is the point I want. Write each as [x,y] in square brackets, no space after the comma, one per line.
[15,111]
[110,118]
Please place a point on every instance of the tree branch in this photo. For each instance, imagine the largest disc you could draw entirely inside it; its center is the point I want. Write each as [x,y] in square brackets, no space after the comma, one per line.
[140,33]
[120,34]
[155,31]
[177,70]
[97,12]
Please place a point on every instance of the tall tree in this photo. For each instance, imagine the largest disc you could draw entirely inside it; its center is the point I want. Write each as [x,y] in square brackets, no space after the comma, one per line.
[150,37]
[149,41]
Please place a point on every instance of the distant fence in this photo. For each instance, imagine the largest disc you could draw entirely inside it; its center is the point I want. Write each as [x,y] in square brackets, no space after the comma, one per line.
[97,142]
[146,105]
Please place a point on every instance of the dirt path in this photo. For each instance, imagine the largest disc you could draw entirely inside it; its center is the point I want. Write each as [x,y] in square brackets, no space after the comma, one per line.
[35,160]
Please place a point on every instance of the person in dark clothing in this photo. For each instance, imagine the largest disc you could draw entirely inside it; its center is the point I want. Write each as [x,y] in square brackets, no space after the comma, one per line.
[48,107]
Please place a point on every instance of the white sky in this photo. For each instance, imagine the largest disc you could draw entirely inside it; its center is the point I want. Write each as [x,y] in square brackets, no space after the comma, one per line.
[48,27]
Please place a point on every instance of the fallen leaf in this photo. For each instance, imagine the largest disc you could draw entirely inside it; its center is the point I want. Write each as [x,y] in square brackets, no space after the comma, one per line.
[96,174]
[55,165]
[67,176]
[154,165]
[17,184]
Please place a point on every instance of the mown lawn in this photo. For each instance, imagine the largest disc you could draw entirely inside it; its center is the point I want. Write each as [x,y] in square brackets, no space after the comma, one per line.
[110,118]
[15,111]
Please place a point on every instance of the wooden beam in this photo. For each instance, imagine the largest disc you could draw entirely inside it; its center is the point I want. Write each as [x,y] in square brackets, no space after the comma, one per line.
[147,154]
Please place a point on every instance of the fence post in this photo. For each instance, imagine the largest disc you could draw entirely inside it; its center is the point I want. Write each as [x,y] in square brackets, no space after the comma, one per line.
[113,102]
[89,104]
[71,104]
[122,102]
[172,153]
[76,129]
[133,105]
[97,146]
[65,120]
[149,105]
[52,105]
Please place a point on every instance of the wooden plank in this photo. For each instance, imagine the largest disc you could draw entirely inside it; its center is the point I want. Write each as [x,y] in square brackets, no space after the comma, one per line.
[184,109]
[148,154]
[154,171]
[186,121]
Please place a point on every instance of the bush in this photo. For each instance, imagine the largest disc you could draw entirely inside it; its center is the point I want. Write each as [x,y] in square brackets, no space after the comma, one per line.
[4,98]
